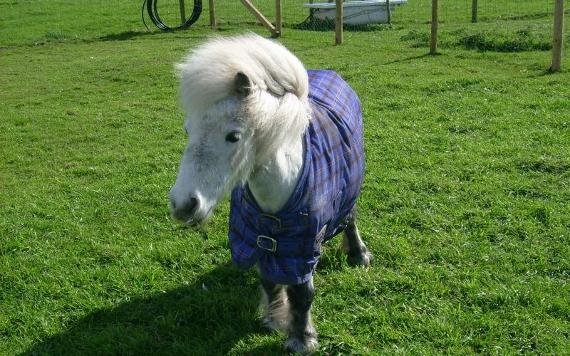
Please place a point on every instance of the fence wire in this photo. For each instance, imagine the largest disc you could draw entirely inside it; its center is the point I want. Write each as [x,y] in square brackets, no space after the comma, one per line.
[55,19]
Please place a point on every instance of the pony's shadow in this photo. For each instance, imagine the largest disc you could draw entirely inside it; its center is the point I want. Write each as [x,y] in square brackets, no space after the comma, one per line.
[208,317]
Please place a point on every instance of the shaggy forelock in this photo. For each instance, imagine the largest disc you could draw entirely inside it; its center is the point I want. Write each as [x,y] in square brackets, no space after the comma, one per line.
[277,108]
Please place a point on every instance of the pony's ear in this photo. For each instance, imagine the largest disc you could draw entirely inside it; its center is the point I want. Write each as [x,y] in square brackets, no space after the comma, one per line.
[242,84]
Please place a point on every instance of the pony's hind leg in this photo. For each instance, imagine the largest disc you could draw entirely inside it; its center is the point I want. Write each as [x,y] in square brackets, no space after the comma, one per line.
[274,306]
[302,336]
[358,254]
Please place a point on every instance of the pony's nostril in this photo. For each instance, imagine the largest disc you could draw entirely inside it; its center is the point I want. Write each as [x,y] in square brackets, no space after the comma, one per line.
[186,212]
[172,203]
[192,206]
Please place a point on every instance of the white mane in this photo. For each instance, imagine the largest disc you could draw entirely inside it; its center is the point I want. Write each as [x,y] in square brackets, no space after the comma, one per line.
[277,108]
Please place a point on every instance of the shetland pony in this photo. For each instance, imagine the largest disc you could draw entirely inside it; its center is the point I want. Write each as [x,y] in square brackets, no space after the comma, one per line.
[287,144]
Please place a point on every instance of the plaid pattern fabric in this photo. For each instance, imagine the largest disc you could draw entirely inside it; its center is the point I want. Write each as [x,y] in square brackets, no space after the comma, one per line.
[287,245]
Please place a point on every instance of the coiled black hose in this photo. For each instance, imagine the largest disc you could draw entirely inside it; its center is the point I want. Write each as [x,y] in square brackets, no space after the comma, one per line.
[155,18]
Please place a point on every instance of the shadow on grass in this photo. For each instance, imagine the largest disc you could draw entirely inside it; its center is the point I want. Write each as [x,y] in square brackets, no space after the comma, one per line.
[207,317]
[315,24]
[409,59]
[128,35]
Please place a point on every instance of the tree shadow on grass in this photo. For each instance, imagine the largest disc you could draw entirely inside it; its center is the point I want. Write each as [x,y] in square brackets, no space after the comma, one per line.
[208,317]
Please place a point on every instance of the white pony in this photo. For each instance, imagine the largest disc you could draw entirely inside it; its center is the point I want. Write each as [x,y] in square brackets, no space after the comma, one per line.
[249,120]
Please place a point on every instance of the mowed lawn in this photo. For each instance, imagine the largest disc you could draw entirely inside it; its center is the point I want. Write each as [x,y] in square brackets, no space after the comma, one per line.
[465,203]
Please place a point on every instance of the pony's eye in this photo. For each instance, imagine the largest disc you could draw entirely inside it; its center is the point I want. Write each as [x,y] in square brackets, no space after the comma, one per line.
[233,136]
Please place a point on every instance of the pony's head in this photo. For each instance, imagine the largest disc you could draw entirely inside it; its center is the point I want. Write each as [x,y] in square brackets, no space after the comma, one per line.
[245,98]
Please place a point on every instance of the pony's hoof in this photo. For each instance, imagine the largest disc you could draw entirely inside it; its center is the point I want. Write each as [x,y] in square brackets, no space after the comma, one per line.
[362,259]
[303,346]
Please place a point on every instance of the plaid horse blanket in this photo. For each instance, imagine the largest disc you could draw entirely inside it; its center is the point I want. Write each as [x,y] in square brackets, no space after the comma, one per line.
[287,245]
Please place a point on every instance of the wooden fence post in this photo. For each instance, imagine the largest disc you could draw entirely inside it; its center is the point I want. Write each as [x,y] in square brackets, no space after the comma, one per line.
[278,17]
[339,22]
[474,9]
[434,24]
[558,39]
[389,12]
[182,12]
[259,16]
[212,13]
[311,10]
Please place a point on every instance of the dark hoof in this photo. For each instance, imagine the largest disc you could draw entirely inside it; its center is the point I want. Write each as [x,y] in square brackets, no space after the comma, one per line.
[361,259]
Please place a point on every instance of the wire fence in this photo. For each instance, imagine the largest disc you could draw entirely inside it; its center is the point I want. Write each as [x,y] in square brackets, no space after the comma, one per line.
[460,11]
[500,25]
[297,12]
[527,22]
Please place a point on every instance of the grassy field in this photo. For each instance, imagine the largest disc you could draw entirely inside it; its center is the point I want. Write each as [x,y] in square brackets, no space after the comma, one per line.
[465,202]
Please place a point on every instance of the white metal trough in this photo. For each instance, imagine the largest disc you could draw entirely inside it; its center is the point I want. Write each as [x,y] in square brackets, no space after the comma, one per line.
[360,12]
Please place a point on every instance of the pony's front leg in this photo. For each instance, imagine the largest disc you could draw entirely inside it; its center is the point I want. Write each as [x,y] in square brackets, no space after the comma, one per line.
[302,336]
[274,306]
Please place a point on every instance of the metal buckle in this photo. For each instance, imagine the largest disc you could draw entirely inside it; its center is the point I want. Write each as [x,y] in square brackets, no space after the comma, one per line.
[260,239]
[273,218]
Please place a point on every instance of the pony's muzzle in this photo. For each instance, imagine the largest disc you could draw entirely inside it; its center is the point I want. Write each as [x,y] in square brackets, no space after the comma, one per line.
[185,212]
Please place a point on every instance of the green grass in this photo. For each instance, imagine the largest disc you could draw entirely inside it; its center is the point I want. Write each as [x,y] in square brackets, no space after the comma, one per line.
[465,201]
